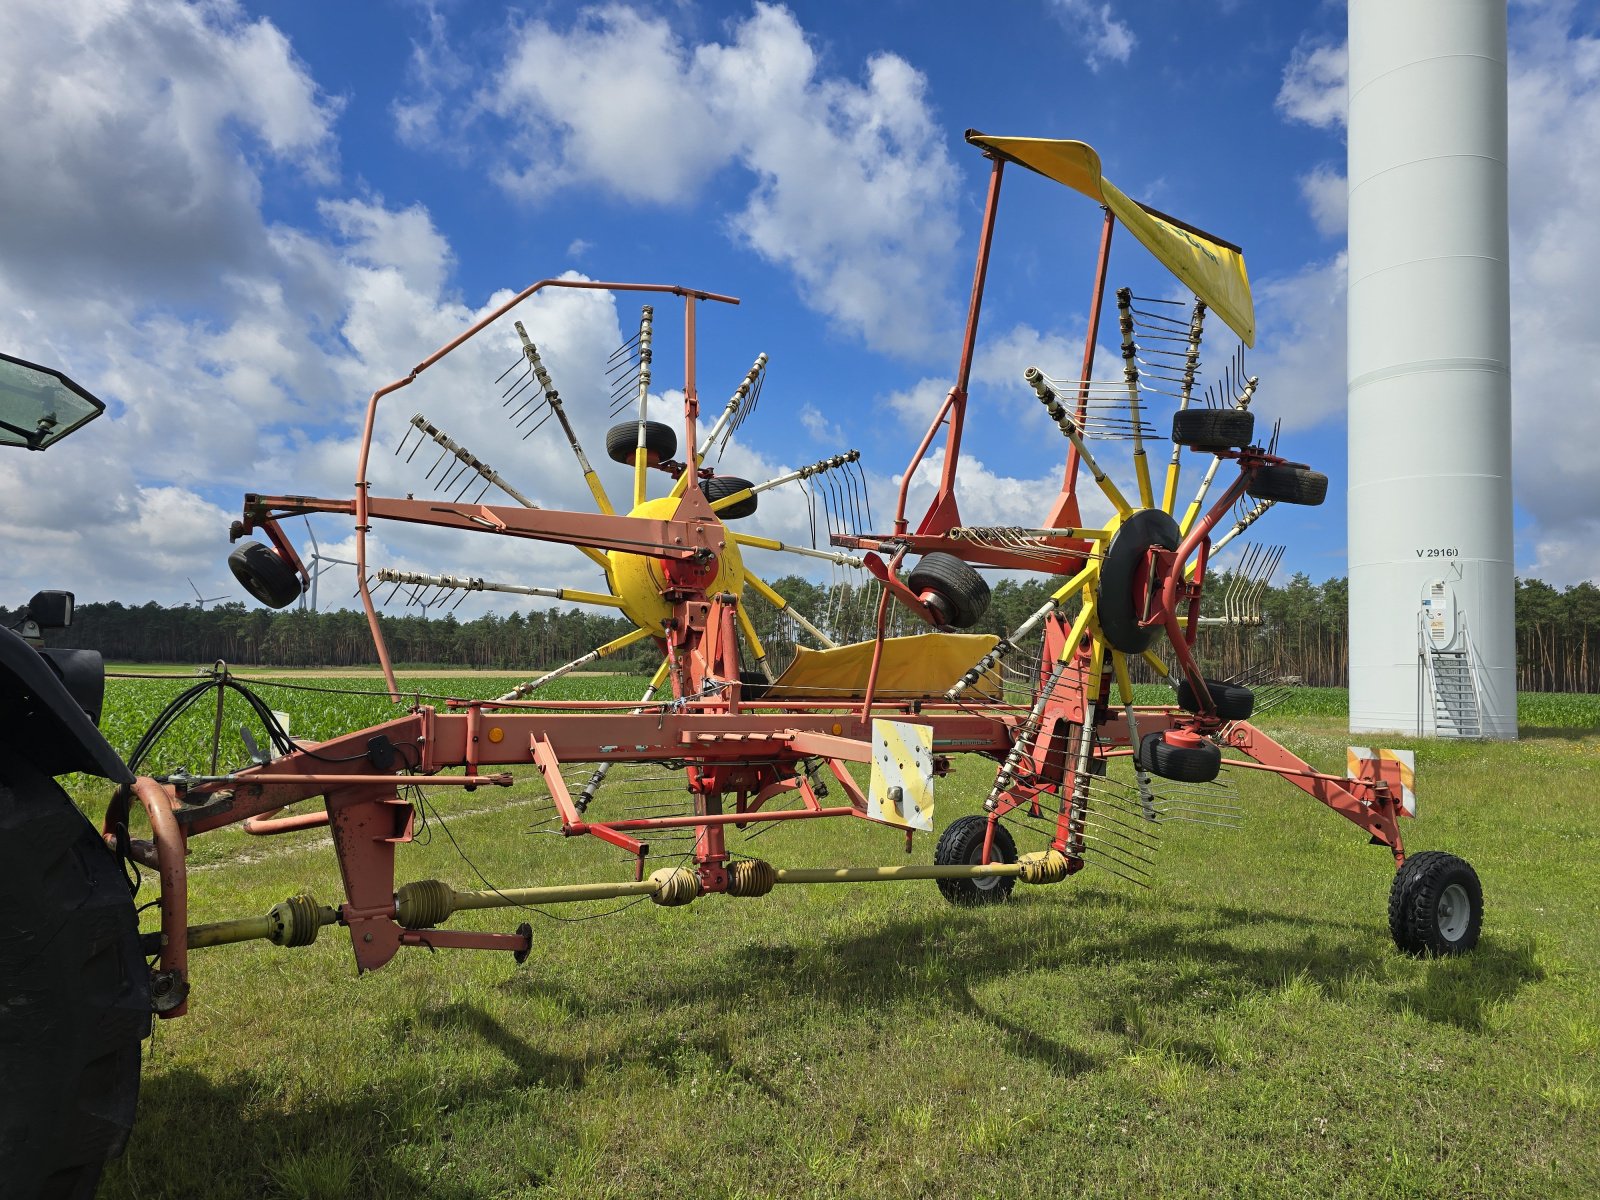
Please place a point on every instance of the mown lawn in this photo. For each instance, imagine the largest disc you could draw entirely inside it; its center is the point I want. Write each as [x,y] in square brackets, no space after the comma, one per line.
[1243,1027]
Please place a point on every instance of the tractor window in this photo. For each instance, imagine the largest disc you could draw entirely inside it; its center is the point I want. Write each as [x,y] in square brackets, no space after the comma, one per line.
[38,406]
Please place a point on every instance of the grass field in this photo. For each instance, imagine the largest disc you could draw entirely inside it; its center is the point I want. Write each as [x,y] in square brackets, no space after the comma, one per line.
[1242,1028]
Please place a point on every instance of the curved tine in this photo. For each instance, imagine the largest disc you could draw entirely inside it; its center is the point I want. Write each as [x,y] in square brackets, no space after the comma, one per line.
[866,494]
[851,474]
[518,385]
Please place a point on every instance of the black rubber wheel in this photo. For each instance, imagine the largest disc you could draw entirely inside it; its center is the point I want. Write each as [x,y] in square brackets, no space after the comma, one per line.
[1119,608]
[1290,485]
[1213,429]
[719,487]
[959,593]
[1234,703]
[753,685]
[74,992]
[1435,905]
[962,843]
[660,442]
[264,575]
[1181,764]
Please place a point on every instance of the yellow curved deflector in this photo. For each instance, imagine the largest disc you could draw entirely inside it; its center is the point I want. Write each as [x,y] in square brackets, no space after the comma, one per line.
[920,665]
[1213,269]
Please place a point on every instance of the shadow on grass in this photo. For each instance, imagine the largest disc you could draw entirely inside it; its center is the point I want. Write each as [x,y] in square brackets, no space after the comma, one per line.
[1565,732]
[197,1136]
[1469,991]
[1145,957]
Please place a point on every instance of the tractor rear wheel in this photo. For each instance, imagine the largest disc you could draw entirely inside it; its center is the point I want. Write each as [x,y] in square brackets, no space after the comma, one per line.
[74,992]
[962,843]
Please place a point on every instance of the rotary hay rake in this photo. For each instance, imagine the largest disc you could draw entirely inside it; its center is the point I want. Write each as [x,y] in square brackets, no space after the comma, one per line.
[1051,703]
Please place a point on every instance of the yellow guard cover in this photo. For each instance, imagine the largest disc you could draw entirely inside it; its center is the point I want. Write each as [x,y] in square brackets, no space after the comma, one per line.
[1213,269]
[928,664]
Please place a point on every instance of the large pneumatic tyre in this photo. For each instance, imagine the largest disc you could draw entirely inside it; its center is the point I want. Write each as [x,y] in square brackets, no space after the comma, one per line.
[1234,703]
[74,993]
[962,843]
[1213,428]
[660,442]
[959,592]
[1181,764]
[720,487]
[1120,604]
[1289,484]
[1435,905]
[264,575]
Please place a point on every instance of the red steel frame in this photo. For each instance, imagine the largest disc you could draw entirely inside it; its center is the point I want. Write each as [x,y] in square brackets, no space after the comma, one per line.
[754,753]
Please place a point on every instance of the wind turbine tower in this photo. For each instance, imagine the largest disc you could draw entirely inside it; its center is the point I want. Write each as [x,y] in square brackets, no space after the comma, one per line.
[1432,639]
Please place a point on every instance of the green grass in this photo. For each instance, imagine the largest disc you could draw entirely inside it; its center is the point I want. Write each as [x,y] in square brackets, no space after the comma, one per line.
[1242,1028]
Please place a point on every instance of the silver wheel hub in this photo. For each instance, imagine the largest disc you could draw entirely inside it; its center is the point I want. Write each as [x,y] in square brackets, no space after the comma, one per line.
[1454,912]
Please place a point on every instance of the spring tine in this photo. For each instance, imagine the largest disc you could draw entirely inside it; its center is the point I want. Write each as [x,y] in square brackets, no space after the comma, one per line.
[519,385]
[1116,841]
[1088,861]
[1115,852]
[1196,821]
[1133,833]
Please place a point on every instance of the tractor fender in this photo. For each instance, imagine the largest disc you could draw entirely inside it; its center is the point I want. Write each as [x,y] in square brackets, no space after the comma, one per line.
[39,718]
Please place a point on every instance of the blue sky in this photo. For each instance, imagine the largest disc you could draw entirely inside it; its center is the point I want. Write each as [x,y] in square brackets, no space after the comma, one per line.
[233,221]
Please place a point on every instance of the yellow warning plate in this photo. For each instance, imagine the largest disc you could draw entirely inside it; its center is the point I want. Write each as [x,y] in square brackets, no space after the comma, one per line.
[901,791]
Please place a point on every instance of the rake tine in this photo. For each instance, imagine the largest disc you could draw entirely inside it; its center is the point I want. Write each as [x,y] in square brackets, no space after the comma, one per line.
[518,386]
[1089,861]
[1168,819]
[1112,842]
[1133,833]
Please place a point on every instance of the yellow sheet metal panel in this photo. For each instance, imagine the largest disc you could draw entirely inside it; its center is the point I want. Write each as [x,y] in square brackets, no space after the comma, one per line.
[1213,269]
[901,789]
[923,665]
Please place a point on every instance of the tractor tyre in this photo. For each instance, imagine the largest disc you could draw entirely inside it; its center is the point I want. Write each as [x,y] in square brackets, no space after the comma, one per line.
[74,992]
[660,442]
[1435,905]
[720,487]
[1234,703]
[753,685]
[962,843]
[1213,429]
[1181,764]
[1291,485]
[960,594]
[264,575]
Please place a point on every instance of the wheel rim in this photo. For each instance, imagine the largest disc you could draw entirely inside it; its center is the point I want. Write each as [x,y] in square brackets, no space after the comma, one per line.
[984,883]
[1454,913]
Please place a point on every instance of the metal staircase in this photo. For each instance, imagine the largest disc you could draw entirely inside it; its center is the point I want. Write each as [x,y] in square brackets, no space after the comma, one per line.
[1449,699]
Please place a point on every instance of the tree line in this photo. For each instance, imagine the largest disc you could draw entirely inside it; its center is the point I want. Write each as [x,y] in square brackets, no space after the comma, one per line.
[1302,635]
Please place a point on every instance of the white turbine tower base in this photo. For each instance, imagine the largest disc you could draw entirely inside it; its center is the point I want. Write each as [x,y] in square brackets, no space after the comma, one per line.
[1429,371]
